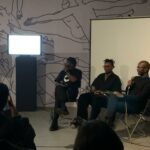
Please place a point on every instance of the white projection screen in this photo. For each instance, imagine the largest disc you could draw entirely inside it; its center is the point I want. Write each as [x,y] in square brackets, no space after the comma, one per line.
[127,41]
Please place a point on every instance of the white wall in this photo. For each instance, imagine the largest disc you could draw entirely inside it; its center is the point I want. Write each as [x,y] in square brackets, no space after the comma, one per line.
[65,28]
[127,41]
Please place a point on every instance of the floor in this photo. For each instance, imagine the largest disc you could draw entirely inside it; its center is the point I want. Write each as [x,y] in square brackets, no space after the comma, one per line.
[63,139]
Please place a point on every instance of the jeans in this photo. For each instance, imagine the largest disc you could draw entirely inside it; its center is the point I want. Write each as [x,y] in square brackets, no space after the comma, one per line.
[114,104]
[117,104]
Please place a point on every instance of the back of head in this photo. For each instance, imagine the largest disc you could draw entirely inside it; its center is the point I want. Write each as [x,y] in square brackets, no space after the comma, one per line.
[4,92]
[97,135]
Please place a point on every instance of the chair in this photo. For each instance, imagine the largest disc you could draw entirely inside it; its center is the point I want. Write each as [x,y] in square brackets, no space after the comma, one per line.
[143,116]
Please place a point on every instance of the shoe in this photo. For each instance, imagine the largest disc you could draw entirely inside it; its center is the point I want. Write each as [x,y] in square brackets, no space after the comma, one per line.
[77,122]
[61,111]
[54,126]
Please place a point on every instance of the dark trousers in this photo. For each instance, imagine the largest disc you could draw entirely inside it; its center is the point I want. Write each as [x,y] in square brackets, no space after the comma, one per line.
[62,95]
[82,106]
[96,103]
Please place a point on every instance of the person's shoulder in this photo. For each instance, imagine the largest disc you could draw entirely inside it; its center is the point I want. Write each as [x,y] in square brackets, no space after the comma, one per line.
[115,75]
[136,77]
[77,69]
[101,75]
[62,71]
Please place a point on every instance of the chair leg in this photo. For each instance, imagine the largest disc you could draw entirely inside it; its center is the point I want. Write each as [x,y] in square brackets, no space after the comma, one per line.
[136,126]
[128,128]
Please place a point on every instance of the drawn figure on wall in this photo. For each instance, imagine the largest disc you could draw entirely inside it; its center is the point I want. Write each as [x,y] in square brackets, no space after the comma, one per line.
[76,15]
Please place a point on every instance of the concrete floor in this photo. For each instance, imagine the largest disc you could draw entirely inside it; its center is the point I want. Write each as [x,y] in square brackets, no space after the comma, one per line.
[63,138]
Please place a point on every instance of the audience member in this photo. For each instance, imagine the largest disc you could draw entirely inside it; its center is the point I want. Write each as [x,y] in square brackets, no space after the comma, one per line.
[15,131]
[97,135]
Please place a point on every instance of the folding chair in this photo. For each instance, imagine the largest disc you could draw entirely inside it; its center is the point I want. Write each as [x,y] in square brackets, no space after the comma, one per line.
[143,116]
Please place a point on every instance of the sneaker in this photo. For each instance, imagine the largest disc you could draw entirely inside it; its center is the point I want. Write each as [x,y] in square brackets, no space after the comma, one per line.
[54,126]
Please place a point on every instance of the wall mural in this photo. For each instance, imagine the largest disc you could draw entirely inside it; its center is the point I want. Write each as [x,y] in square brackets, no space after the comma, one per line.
[65,29]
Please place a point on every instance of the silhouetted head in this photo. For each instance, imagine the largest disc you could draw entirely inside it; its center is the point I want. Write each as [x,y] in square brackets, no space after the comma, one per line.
[4,93]
[97,135]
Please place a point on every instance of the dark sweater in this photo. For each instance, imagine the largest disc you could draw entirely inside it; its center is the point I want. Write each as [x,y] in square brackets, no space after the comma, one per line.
[62,78]
[112,83]
[71,87]
[140,87]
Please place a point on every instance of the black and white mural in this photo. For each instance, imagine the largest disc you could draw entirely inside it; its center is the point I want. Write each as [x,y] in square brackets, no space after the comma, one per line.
[65,29]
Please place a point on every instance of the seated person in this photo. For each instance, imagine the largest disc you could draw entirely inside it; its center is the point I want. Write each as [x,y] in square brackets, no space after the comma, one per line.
[15,131]
[97,135]
[68,82]
[107,81]
[138,93]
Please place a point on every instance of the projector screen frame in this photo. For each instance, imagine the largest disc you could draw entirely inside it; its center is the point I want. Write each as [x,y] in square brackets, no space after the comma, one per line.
[90,53]
[8,44]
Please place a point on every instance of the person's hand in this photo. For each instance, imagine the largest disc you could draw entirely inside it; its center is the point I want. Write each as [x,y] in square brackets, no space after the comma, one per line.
[72,78]
[92,89]
[130,82]
[118,94]
[97,92]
